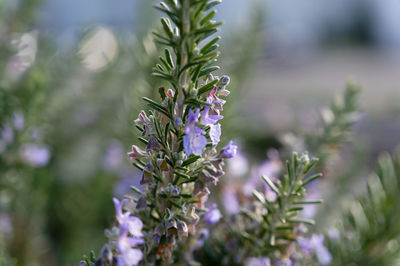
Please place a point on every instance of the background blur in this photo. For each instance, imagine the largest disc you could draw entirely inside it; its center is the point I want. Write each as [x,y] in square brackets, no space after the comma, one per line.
[72,74]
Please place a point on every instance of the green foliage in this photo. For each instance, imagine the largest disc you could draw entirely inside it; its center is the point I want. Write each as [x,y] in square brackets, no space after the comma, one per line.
[271,222]
[370,230]
[336,123]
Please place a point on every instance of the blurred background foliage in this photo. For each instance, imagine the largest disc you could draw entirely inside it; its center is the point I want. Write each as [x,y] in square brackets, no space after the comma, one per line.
[69,95]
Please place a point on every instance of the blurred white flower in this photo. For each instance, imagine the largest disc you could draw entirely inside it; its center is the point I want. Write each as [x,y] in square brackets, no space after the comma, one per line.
[98,49]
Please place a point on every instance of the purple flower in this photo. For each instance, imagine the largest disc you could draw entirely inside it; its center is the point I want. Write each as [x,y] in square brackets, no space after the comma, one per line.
[35,155]
[213,215]
[215,133]
[147,174]
[257,261]
[153,144]
[146,122]
[207,119]
[316,244]
[194,141]
[128,255]
[224,80]
[229,151]
[136,152]
[133,224]
[230,200]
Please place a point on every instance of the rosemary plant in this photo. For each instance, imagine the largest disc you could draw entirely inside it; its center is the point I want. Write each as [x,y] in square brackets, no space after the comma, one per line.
[368,233]
[179,134]
[268,226]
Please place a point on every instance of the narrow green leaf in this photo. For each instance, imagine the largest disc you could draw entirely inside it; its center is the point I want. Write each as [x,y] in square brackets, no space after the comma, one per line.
[190,160]
[271,184]
[207,87]
[311,178]
[168,56]
[208,17]
[208,70]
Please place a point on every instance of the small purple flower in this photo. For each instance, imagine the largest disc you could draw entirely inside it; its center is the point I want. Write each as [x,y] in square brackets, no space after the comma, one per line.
[128,255]
[178,122]
[257,261]
[136,153]
[35,155]
[153,144]
[215,134]
[213,215]
[224,80]
[207,119]
[229,151]
[194,141]
[147,174]
[316,244]
[133,224]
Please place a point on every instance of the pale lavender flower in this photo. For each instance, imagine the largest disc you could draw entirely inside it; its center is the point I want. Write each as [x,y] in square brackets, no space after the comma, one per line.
[229,151]
[18,121]
[257,261]
[206,118]
[128,255]
[230,200]
[238,165]
[35,155]
[315,244]
[213,215]
[7,134]
[215,134]
[136,153]
[133,224]
[194,141]
[144,121]
[153,144]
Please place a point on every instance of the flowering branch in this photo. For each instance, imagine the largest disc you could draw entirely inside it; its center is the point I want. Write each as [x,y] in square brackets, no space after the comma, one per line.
[180,134]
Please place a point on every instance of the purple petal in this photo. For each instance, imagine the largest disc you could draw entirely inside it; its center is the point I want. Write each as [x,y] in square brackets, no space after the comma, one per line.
[215,133]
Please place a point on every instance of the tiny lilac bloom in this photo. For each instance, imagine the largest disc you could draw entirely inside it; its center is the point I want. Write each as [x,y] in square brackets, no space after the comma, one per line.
[213,215]
[316,244]
[224,80]
[194,141]
[153,144]
[133,224]
[215,133]
[35,155]
[136,153]
[207,119]
[128,256]
[229,151]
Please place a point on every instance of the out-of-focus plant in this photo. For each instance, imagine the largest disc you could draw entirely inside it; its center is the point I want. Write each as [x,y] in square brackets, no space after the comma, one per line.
[369,232]
[336,123]
[269,227]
